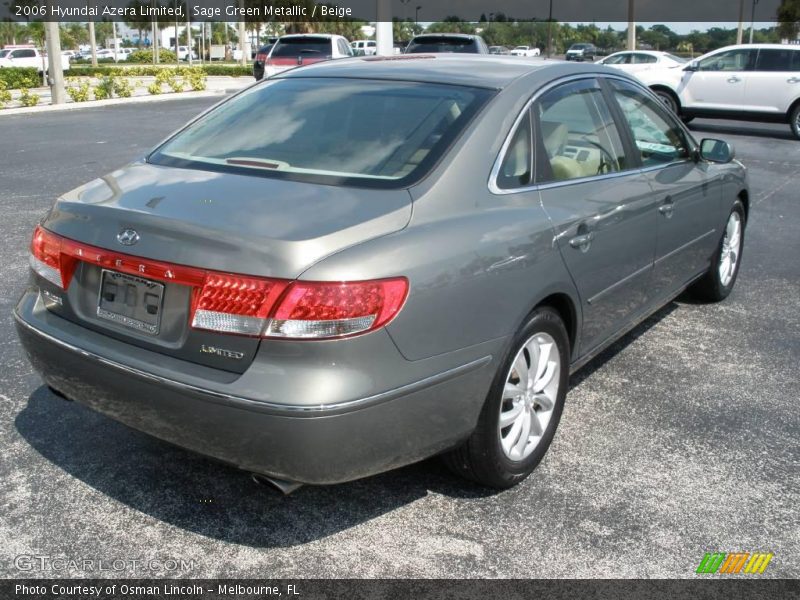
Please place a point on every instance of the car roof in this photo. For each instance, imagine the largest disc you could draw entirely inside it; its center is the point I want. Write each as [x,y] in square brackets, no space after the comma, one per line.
[758,46]
[476,70]
[326,36]
[469,36]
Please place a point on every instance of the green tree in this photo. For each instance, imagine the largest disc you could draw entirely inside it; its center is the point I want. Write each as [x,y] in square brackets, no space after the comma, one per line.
[789,19]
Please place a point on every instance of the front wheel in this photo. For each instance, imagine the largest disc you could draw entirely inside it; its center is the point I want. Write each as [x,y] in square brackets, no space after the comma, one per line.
[795,121]
[718,282]
[523,408]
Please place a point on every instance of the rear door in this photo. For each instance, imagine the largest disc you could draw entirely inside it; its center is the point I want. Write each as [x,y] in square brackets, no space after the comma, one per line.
[719,82]
[602,208]
[687,200]
[775,82]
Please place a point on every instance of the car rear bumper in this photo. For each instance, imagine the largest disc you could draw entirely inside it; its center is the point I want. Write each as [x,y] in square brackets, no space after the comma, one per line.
[316,444]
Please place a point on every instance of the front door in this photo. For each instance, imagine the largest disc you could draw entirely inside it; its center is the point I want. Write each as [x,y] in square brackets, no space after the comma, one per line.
[601,207]
[719,82]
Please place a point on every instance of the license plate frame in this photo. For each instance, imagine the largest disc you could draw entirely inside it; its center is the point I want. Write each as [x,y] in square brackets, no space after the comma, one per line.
[139,296]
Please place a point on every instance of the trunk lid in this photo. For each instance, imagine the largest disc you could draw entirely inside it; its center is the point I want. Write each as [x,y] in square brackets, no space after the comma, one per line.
[222,222]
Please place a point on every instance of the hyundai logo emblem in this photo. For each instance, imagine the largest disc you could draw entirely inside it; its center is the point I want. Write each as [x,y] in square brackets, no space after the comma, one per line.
[128,237]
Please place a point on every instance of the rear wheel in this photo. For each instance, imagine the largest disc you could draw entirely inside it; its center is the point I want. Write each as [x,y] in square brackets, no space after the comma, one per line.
[523,408]
[795,121]
[668,99]
[721,277]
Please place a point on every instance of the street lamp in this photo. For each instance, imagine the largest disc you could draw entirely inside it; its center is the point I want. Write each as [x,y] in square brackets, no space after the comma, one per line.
[550,30]
[416,15]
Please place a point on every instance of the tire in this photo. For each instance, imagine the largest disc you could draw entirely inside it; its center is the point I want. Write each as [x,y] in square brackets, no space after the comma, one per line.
[668,99]
[718,282]
[794,121]
[482,458]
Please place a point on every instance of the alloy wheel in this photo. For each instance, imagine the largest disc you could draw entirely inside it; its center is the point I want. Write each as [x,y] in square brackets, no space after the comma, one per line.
[729,256]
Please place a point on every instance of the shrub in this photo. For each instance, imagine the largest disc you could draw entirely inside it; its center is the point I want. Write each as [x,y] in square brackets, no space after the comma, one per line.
[79,93]
[176,84]
[153,70]
[196,80]
[146,56]
[154,88]
[28,99]
[104,88]
[20,77]
[5,95]
[123,88]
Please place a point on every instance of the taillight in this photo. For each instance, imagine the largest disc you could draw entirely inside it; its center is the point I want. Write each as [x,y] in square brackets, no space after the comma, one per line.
[261,57]
[235,304]
[336,309]
[46,258]
[239,304]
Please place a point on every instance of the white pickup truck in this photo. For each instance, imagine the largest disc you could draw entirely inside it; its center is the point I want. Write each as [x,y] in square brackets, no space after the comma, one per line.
[27,56]
[525,51]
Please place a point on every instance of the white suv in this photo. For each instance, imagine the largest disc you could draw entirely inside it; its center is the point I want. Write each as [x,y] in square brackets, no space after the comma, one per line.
[755,82]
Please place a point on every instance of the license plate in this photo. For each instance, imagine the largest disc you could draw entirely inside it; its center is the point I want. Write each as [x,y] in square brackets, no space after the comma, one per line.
[130,301]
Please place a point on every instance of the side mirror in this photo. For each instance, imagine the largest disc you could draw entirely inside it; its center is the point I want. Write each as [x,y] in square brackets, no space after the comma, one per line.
[716,151]
[692,66]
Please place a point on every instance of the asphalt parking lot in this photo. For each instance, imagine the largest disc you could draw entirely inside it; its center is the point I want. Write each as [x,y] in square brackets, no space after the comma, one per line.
[679,440]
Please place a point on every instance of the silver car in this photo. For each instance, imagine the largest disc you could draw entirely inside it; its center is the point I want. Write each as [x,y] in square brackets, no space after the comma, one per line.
[360,264]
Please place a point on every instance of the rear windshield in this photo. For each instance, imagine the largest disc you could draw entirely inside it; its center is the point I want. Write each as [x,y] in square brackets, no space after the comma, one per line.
[677,59]
[442,44]
[327,130]
[302,46]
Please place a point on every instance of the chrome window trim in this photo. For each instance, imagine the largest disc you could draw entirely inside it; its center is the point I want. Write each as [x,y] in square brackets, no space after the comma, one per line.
[498,191]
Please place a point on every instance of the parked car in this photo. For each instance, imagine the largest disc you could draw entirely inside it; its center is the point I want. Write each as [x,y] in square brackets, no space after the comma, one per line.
[27,56]
[754,82]
[525,51]
[364,47]
[498,50]
[260,60]
[642,60]
[581,52]
[304,49]
[183,53]
[461,43]
[393,258]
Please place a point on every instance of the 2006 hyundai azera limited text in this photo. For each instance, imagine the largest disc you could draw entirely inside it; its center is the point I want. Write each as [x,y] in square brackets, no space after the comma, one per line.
[360,264]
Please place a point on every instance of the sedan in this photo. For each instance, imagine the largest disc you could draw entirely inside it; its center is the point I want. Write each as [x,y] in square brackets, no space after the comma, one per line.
[642,60]
[363,263]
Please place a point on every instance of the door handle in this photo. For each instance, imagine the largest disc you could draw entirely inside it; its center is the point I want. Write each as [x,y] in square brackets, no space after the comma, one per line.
[793,80]
[582,242]
[667,208]
[733,79]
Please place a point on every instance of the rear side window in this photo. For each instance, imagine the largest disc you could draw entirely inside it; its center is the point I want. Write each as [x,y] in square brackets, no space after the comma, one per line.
[442,44]
[328,130]
[302,46]
[515,170]
[640,59]
[576,134]
[770,59]
[657,137]
[23,54]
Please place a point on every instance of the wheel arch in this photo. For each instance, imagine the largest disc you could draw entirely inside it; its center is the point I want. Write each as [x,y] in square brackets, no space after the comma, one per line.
[660,87]
[565,306]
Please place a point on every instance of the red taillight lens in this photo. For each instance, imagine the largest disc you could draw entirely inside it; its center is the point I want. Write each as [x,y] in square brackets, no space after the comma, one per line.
[46,258]
[336,309]
[234,303]
[260,57]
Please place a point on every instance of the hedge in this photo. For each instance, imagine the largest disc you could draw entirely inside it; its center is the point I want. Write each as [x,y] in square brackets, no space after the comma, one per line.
[152,70]
[20,77]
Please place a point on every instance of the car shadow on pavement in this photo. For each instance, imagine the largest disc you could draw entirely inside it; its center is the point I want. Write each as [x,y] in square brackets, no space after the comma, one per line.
[745,129]
[197,494]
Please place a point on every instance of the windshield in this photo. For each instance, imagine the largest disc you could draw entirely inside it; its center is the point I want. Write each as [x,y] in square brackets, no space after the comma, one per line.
[579,46]
[441,44]
[293,47]
[326,130]
[4,53]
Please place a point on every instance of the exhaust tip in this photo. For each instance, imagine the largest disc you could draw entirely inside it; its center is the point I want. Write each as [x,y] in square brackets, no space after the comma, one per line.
[282,485]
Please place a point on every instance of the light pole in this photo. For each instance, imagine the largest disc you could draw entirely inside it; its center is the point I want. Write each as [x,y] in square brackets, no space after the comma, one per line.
[550,30]
[741,22]
[631,27]
[416,15]
[753,20]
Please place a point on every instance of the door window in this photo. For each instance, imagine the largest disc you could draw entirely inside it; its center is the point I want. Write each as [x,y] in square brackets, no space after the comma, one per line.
[777,60]
[731,60]
[515,170]
[23,54]
[640,59]
[658,138]
[619,59]
[576,135]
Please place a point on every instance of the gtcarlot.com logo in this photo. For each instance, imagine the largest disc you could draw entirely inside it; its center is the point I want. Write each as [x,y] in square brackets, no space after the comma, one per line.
[45,563]
[735,563]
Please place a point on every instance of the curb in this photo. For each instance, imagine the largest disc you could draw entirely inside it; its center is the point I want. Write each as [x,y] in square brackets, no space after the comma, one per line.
[24,110]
